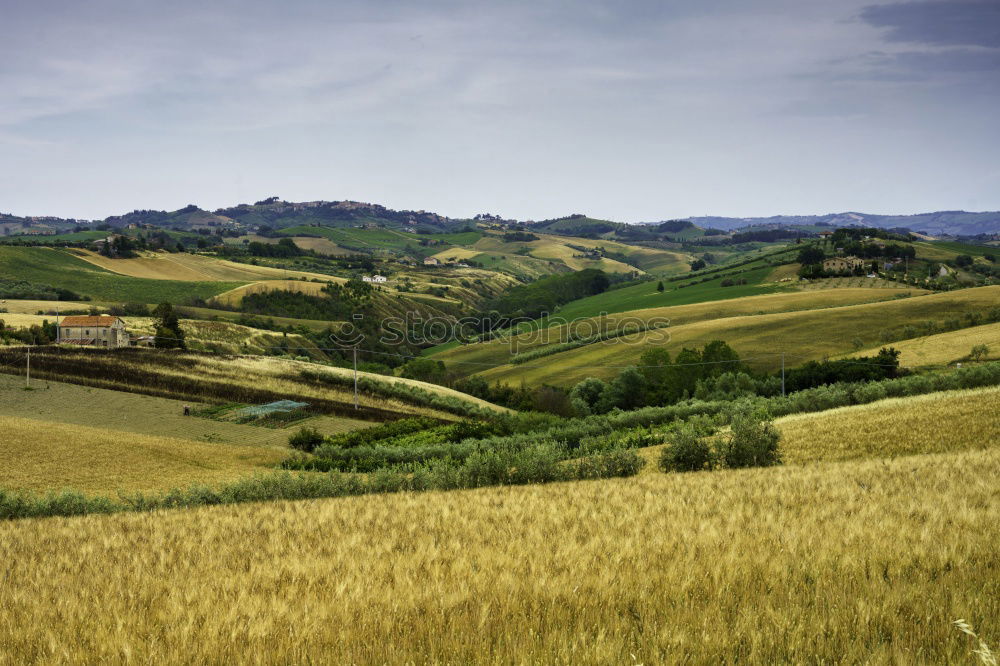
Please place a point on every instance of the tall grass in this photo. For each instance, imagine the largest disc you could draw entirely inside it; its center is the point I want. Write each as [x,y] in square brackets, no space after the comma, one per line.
[839,563]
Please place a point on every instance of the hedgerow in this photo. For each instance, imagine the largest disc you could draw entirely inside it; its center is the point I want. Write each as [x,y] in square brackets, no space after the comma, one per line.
[540,463]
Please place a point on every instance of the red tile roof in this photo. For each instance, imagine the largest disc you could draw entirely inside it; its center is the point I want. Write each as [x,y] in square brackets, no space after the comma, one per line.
[98,321]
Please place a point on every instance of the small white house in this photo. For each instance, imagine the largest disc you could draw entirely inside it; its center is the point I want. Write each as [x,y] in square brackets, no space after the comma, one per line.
[366,279]
[379,278]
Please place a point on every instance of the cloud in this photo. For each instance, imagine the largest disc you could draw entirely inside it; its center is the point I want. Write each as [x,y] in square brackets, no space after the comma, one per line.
[940,22]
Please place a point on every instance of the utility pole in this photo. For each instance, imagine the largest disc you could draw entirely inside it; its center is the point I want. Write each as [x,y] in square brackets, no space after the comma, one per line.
[27,371]
[355,378]
[782,374]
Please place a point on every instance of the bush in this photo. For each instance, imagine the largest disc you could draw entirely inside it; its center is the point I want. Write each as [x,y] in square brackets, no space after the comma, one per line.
[686,452]
[306,439]
[752,442]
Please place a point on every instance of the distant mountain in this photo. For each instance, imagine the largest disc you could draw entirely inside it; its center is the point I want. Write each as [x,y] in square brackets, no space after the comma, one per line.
[279,214]
[941,223]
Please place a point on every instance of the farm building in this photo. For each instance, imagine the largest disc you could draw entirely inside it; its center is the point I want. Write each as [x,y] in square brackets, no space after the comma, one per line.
[94,331]
[379,278]
[431,261]
[842,264]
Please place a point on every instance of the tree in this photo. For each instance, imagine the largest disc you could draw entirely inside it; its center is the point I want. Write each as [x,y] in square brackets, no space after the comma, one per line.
[423,369]
[659,286]
[169,334]
[697,264]
[586,394]
[810,255]
[979,352]
[306,439]
[963,261]
[626,391]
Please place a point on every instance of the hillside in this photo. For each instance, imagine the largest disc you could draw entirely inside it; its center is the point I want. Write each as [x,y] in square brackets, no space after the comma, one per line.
[480,357]
[220,379]
[761,338]
[95,460]
[912,537]
[941,223]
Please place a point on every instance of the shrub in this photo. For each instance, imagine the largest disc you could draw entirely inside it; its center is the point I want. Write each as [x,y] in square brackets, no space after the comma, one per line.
[686,452]
[752,442]
[306,439]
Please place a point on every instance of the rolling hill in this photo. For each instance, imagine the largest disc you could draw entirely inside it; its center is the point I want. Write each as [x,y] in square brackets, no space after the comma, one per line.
[761,338]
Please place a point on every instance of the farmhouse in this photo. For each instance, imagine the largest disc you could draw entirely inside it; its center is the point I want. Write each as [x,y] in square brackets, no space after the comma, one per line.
[94,331]
[379,278]
[842,264]
[431,261]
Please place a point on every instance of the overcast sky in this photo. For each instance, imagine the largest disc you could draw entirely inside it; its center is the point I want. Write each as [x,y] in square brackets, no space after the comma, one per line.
[628,110]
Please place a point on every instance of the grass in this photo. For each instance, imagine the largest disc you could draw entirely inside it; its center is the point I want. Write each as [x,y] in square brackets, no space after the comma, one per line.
[802,336]
[218,378]
[644,295]
[98,460]
[946,348]
[31,307]
[59,268]
[191,267]
[235,296]
[70,237]
[136,414]
[468,359]
[320,246]
[859,562]
[895,427]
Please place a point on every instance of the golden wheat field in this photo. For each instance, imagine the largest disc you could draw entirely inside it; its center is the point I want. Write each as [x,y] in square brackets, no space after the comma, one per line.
[945,348]
[193,267]
[41,455]
[932,423]
[859,562]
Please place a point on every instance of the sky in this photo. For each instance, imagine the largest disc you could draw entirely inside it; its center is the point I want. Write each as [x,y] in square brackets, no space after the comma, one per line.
[631,110]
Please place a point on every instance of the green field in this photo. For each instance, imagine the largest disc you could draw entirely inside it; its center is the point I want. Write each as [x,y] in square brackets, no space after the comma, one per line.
[802,335]
[58,268]
[71,237]
[472,358]
[645,295]
[951,249]
[366,239]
